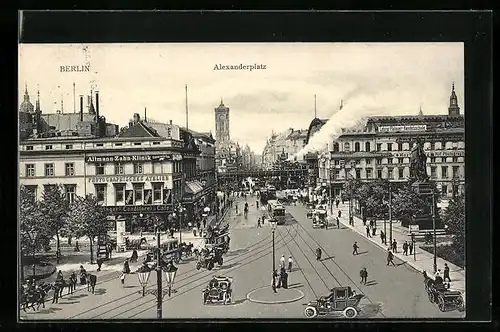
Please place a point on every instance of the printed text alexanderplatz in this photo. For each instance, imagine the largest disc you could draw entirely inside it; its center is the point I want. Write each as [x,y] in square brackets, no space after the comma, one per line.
[240,66]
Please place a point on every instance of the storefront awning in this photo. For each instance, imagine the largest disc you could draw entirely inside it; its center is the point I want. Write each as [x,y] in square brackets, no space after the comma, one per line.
[194,187]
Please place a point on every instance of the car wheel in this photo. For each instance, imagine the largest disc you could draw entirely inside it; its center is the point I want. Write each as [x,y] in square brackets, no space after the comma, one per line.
[310,312]
[350,312]
[210,266]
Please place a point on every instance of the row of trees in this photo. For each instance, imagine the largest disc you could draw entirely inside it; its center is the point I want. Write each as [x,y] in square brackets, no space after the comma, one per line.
[53,216]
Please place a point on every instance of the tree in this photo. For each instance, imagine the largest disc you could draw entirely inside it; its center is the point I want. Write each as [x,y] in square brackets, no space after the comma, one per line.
[88,218]
[454,218]
[55,206]
[34,233]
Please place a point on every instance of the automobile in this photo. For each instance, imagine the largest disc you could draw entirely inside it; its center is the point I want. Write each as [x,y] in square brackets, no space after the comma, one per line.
[319,218]
[218,290]
[208,258]
[441,294]
[341,300]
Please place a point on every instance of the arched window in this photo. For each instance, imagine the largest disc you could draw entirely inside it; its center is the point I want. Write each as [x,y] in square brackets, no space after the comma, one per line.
[336,147]
[347,147]
[367,147]
[357,147]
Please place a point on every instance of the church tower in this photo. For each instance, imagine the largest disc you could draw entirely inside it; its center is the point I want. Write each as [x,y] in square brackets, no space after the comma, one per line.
[222,124]
[26,105]
[453,109]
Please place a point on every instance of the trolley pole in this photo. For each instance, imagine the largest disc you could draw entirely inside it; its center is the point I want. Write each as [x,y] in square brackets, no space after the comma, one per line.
[159,296]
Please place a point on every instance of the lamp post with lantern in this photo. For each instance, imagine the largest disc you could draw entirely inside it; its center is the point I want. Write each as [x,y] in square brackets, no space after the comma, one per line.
[273,228]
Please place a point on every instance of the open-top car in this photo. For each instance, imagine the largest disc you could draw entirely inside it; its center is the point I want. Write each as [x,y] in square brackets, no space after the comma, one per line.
[440,293]
[218,290]
[341,299]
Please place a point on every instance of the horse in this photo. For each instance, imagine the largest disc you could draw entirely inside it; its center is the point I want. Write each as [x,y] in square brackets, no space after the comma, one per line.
[34,296]
[92,282]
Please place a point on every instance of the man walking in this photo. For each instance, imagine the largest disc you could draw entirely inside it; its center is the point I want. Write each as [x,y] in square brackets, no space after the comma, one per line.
[290,263]
[368,231]
[337,203]
[258,222]
[338,222]
[318,254]
[410,246]
[340,214]
[390,257]
[355,248]
[382,237]
[405,248]
[282,261]
[394,246]
[273,283]
[364,275]
[446,274]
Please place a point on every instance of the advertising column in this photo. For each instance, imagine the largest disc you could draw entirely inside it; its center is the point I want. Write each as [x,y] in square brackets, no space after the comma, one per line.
[120,234]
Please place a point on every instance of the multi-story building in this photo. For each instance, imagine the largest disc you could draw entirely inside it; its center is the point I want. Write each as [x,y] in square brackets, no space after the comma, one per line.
[228,154]
[381,150]
[289,142]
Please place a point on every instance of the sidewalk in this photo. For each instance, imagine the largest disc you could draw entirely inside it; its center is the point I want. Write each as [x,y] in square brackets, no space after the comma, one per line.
[424,260]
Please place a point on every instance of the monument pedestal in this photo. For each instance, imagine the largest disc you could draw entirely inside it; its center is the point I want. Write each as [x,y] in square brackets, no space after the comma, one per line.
[424,219]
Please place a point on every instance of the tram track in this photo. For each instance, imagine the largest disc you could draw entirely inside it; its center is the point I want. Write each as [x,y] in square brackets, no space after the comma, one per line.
[267,252]
[199,275]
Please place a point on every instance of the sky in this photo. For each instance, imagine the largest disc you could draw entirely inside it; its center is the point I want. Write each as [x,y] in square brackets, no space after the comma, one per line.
[372,79]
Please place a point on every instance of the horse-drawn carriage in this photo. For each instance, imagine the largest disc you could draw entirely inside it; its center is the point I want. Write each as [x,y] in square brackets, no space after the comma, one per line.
[170,250]
[135,244]
[208,256]
[440,293]
[341,300]
[218,290]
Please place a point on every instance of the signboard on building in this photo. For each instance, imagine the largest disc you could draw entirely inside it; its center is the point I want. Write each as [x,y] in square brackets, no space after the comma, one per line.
[135,209]
[413,228]
[431,154]
[389,129]
[128,178]
[123,158]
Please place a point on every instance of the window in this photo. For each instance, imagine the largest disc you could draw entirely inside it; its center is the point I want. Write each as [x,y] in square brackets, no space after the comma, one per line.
[99,144]
[455,159]
[358,161]
[433,146]
[389,146]
[157,191]
[341,294]
[69,169]
[69,146]
[358,174]
[32,190]
[337,173]
[137,168]
[433,172]
[379,146]
[48,147]
[337,162]
[367,147]
[29,147]
[368,161]
[100,193]
[156,168]
[401,173]
[444,189]
[156,143]
[49,169]
[118,144]
[70,190]
[433,159]
[455,171]
[99,169]
[444,171]
[137,143]
[336,147]
[379,173]
[390,173]
[119,169]
[379,161]
[454,145]
[401,161]
[389,160]
[400,146]
[347,147]
[369,173]
[30,170]
[119,192]
[138,190]
[357,147]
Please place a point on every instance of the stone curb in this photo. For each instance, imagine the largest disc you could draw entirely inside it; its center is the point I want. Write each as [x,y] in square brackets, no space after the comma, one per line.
[273,302]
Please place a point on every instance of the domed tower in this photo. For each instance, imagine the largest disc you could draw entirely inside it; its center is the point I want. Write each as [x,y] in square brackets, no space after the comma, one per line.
[26,105]
[453,109]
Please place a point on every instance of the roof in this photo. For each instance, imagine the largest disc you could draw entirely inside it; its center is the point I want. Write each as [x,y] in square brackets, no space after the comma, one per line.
[64,121]
[415,118]
[206,135]
[139,130]
[315,125]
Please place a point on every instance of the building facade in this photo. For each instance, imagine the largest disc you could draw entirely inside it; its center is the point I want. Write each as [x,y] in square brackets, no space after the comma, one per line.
[288,142]
[228,154]
[381,150]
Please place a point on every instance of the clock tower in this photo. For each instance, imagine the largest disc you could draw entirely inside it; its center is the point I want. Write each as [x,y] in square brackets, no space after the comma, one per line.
[221,124]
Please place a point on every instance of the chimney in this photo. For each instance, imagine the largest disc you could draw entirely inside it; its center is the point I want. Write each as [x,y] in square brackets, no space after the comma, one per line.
[97,104]
[145,118]
[170,122]
[81,108]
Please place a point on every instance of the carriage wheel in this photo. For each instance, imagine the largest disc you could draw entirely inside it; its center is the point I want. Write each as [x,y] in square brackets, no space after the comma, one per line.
[210,265]
[431,296]
[198,265]
[310,312]
[350,312]
[460,304]
[224,298]
[441,303]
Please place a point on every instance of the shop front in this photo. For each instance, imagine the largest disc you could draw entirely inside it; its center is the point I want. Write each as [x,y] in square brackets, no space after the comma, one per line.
[141,217]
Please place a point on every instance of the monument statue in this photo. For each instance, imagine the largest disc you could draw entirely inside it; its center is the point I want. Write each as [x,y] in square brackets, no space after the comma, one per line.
[418,169]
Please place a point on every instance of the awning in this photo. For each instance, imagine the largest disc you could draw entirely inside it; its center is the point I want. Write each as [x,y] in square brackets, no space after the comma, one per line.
[193,187]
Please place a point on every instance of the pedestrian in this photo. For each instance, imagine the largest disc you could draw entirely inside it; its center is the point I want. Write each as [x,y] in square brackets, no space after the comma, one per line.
[338,222]
[340,214]
[257,204]
[355,248]
[390,257]
[198,225]
[273,283]
[284,281]
[77,248]
[410,246]
[125,271]
[337,203]
[368,231]
[405,248]
[318,254]
[204,223]
[446,273]
[394,246]
[364,275]
[374,229]
[382,237]
[282,261]
[99,263]
[258,222]
[364,220]
[290,263]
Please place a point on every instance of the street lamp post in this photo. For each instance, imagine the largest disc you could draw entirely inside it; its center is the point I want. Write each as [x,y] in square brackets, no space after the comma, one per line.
[434,229]
[390,214]
[159,297]
[273,228]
